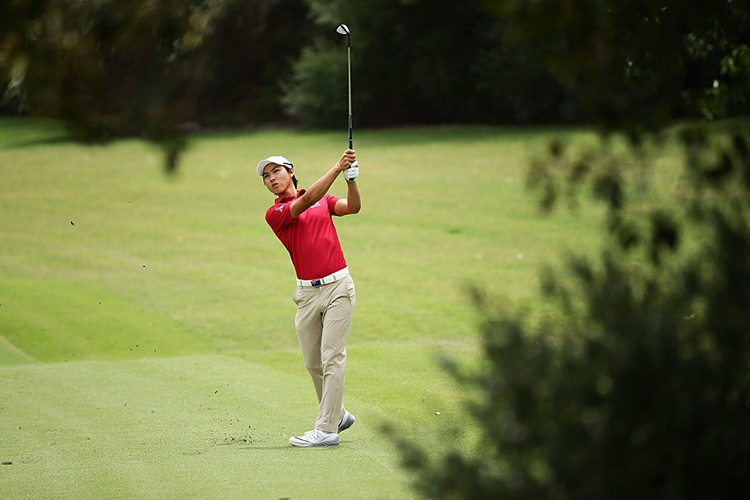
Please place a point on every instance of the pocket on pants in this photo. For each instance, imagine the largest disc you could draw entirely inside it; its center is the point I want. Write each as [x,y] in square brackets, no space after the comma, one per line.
[351,291]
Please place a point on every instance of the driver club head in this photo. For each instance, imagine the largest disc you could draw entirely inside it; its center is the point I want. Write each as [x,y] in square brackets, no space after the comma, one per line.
[343,29]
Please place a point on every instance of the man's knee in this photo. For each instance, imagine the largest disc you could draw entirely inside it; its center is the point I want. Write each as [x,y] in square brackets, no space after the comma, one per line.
[334,361]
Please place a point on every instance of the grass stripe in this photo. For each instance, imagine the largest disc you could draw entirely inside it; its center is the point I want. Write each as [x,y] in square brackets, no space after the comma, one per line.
[10,354]
[56,320]
[191,427]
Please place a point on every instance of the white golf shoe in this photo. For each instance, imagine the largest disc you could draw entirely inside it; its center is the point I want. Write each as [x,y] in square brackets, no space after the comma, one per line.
[315,437]
[346,422]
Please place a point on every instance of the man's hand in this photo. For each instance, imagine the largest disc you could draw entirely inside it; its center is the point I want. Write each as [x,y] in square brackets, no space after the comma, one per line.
[351,173]
[347,159]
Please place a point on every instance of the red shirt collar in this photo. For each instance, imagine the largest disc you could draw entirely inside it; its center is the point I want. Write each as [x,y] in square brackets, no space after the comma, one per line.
[285,199]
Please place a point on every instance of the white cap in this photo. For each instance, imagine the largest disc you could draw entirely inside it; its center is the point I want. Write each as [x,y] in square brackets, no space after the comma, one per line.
[278,160]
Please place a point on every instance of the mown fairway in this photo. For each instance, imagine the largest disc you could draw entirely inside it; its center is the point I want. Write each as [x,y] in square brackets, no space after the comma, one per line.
[147,344]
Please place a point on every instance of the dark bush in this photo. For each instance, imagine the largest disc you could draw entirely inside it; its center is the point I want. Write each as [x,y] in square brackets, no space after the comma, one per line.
[640,387]
[316,94]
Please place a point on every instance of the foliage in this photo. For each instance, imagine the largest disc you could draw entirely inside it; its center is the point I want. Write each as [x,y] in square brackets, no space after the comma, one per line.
[419,62]
[140,68]
[109,68]
[638,386]
[657,59]
[153,69]
[507,61]
[252,51]
[729,95]
[316,93]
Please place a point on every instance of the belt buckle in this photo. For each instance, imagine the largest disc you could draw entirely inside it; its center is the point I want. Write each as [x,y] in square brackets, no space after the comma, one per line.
[316,283]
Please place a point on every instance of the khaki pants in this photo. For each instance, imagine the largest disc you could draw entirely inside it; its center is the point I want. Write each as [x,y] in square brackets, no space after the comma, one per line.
[324,315]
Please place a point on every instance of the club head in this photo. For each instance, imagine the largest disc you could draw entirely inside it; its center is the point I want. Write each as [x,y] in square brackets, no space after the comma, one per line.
[343,29]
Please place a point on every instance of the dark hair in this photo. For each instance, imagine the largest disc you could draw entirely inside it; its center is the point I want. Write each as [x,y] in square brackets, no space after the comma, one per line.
[289,167]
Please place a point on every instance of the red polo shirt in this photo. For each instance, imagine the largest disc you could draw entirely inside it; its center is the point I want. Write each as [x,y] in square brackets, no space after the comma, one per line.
[311,238]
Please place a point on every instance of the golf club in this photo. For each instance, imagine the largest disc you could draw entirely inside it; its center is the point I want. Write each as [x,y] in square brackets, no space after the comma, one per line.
[343,29]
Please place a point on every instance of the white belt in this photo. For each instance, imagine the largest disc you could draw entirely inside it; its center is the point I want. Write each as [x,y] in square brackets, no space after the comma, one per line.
[331,278]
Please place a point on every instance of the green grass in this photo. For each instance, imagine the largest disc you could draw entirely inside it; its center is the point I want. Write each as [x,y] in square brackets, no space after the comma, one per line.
[147,344]
[189,427]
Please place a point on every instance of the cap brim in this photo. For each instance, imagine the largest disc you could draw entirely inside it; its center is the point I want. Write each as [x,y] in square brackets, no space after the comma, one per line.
[262,166]
[276,160]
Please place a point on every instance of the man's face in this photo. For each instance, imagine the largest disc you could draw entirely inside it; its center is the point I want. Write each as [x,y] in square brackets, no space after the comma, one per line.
[277,179]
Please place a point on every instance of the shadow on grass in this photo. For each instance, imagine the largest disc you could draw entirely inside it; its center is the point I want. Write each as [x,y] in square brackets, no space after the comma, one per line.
[250,447]
[287,446]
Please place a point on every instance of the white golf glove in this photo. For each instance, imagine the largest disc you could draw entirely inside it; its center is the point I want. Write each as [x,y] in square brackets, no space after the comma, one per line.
[351,173]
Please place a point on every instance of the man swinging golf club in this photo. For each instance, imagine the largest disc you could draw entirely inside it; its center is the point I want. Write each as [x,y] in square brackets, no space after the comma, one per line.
[325,295]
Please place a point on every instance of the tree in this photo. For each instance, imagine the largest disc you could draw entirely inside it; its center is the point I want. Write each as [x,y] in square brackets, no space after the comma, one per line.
[108,68]
[636,65]
[418,62]
[252,53]
[154,70]
[639,387]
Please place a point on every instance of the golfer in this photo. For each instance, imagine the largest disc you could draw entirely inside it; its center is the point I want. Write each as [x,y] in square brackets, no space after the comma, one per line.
[325,296]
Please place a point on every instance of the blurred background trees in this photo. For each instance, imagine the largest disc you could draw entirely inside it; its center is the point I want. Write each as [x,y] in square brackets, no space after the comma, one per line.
[108,68]
[228,63]
[420,62]
[154,69]
[641,63]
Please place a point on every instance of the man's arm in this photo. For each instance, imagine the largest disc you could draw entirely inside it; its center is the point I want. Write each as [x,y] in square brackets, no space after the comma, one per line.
[352,204]
[320,187]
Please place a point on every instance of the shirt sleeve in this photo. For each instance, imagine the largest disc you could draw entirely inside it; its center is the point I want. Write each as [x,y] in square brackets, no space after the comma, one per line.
[331,200]
[279,216]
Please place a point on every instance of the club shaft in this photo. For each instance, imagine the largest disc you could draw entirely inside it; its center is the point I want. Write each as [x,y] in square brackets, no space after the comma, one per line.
[349,58]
